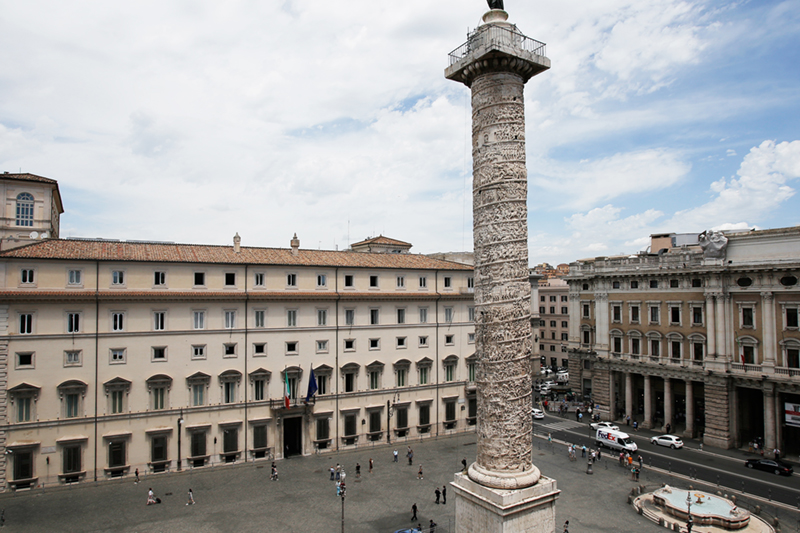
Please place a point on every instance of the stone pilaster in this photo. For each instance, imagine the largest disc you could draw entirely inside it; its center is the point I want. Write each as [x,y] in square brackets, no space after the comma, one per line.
[689,431]
[768,328]
[769,416]
[669,402]
[718,396]
[648,402]
[601,388]
[629,395]
[711,325]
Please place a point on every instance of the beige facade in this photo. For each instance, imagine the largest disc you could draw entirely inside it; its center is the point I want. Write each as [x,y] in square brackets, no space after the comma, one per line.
[119,356]
[553,333]
[30,211]
[701,340]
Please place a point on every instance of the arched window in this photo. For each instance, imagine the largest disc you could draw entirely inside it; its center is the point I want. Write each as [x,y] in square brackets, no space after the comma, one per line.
[24,209]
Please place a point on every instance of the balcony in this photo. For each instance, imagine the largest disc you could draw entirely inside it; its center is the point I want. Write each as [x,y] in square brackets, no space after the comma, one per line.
[278,403]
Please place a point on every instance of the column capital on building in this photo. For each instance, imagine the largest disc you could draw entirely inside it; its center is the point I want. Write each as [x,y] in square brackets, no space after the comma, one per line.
[767,296]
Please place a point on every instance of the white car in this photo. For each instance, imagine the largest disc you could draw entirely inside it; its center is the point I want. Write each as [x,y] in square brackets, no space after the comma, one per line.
[603,425]
[672,441]
[538,414]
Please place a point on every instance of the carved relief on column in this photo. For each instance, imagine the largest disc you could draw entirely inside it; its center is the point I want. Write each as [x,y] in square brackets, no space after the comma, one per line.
[710,325]
[502,290]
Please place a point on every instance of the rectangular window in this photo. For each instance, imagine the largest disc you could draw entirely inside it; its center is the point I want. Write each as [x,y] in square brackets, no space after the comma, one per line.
[748,354]
[75,277]
[292,348]
[635,348]
[374,380]
[349,382]
[401,316]
[229,349]
[565,336]
[564,311]
[448,315]
[675,315]
[654,315]
[118,277]
[674,283]
[230,440]
[401,342]
[199,279]
[158,448]
[553,298]
[159,278]
[117,355]
[291,318]
[402,417]
[229,392]
[634,314]
[634,284]
[199,351]
[747,317]
[71,456]
[586,337]
[585,310]
[199,320]
[73,322]
[373,282]
[655,347]
[470,338]
[374,344]
[159,353]
[322,280]
[791,317]
[424,415]
[159,320]
[24,409]
[72,358]
[616,313]
[471,314]
[71,404]
[291,280]
[198,394]
[423,341]
[350,424]
[698,350]
[116,401]
[116,454]
[653,284]
[259,389]
[230,279]
[323,429]
[423,375]
[449,340]
[423,315]
[401,282]
[259,318]
[564,299]
[448,282]
[230,319]
[117,321]
[259,349]
[198,446]
[697,316]
[322,317]
[423,282]
[471,368]
[258,279]
[676,349]
[349,281]
[564,324]
[793,357]
[322,384]
[322,346]
[260,437]
[159,398]
[449,373]
[349,345]
[401,377]
[470,282]
[374,316]
[450,411]
[349,317]
[26,275]
[552,310]
[26,323]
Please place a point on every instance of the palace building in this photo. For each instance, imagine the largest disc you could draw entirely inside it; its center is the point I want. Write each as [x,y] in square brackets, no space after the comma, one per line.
[700,335]
[116,356]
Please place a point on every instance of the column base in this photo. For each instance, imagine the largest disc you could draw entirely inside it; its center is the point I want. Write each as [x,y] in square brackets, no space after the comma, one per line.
[480,509]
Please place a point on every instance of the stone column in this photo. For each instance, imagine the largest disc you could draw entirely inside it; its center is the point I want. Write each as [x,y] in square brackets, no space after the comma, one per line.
[689,431]
[769,416]
[495,64]
[668,402]
[602,323]
[768,327]
[719,331]
[629,395]
[648,403]
[710,325]
[730,350]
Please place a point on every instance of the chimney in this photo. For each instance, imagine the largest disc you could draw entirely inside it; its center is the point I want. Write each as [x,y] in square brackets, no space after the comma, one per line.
[237,241]
[295,245]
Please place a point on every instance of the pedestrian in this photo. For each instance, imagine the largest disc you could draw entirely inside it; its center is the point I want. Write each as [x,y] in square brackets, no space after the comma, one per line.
[630,460]
[635,425]
[628,420]
[599,454]
[464,464]
[432,527]
[419,474]
[333,473]
[583,451]
[444,494]
[394,456]
[191,498]
[777,454]
[580,417]
[566,526]
[338,471]
[640,462]
[136,479]
[413,512]
[370,465]
[636,473]
[274,472]
[438,494]
[578,414]
[668,427]
[151,498]
[549,437]
[358,470]
[410,456]
[621,459]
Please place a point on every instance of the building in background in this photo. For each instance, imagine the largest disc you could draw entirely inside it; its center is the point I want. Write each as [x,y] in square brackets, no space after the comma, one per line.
[553,331]
[159,356]
[700,336]
[31,209]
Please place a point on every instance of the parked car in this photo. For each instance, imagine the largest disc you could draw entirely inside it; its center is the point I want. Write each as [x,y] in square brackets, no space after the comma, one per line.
[770,465]
[538,414]
[603,425]
[672,441]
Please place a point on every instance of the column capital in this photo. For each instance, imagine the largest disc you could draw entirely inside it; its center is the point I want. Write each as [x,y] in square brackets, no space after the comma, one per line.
[601,296]
[767,296]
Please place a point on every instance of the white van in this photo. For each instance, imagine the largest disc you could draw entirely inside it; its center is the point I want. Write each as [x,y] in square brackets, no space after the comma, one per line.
[616,440]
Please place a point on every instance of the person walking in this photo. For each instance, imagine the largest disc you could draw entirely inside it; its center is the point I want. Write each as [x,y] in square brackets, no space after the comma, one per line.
[668,427]
[419,474]
[444,494]
[394,456]
[566,526]
[413,512]
[464,464]
[583,451]
[333,473]
[438,494]
[628,420]
[410,456]
[370,465]
[432,527]
[274,472]
[191,497]
[358,470]
[151,498]
[640,462]
[338,471]
[635,425]
[136,479]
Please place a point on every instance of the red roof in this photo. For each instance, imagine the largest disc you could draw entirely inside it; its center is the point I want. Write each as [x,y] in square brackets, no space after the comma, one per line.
[380,239]
[98,250]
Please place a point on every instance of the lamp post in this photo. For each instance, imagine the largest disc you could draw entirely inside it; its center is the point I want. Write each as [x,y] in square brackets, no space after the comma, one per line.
[689,523]
[180,423]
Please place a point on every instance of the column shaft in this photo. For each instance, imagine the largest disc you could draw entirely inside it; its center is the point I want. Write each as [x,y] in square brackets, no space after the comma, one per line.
[769,418]
[629,395]
[668,402]
[710,325]
[689,432]
[648,403]
[719,332]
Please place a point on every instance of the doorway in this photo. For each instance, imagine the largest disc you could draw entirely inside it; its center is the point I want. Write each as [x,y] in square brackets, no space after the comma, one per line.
[292,436]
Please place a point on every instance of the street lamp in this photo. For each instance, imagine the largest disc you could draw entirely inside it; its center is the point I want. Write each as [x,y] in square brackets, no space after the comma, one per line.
[689,523]
[180,423]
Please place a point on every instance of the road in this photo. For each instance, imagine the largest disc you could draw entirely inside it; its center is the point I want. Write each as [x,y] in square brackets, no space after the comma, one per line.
[718,467]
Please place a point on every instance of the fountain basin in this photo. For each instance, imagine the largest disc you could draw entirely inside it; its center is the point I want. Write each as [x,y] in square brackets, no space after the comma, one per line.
[706,509]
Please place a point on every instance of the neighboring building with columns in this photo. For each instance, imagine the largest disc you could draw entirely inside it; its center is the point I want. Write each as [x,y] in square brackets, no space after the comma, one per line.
[702,335]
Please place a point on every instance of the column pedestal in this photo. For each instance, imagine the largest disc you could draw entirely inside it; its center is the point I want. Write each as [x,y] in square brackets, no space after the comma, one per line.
[480,509]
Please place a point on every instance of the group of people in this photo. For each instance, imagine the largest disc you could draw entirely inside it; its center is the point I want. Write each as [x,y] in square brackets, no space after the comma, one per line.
[593,455]
[152,499]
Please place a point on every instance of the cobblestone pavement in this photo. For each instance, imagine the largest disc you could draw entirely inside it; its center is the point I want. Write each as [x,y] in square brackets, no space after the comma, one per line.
[242,498]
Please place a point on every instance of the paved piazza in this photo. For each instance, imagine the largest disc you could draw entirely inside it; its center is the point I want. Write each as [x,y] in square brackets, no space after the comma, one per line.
[241,497]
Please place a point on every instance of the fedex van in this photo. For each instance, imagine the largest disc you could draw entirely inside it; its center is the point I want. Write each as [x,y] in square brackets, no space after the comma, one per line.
[616,440]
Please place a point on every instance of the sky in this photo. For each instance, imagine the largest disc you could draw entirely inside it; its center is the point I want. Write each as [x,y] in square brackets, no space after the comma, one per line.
[191,120]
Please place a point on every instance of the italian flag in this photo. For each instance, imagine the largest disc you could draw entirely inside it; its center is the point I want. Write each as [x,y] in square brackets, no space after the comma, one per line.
[286,390]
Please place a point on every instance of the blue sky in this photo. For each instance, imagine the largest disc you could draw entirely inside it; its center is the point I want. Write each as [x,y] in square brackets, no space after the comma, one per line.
[191,121]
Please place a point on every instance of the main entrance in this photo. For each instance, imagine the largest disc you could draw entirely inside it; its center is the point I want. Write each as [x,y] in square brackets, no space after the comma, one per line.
[292,436]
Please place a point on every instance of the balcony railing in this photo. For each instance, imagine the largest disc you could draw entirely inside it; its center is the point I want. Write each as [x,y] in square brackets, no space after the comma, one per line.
[496,36]
[278,403]
[745,367]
